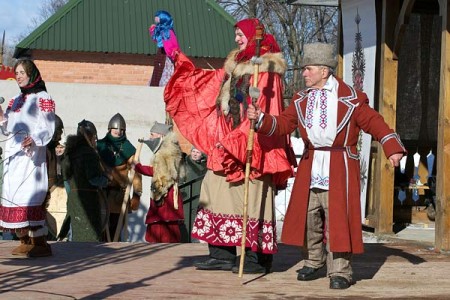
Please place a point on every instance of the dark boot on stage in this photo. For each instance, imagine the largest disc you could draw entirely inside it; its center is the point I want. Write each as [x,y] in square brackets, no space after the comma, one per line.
[24,247]
[40,247]
[220,258]
[255,263]
[339,283]
[308,273]
[39,242]
[214,264]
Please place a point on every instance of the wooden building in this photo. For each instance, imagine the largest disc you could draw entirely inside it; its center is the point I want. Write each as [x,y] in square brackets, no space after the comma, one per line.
[393,21]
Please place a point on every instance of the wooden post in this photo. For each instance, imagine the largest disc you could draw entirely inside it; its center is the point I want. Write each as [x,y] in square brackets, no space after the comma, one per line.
[384,183]
[442,223]
[340,46]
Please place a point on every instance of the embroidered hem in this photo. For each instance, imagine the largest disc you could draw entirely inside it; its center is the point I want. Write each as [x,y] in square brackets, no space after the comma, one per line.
[22,216]
[226,230]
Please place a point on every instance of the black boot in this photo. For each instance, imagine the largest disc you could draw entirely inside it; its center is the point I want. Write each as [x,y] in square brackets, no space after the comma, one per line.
[214,264]
[255,263]
[220,258]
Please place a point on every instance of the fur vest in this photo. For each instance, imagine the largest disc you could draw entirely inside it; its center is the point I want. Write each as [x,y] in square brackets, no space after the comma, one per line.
[237,79]
[167,167]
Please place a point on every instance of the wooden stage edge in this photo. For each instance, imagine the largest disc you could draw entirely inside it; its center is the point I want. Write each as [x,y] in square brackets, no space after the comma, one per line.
[394,270]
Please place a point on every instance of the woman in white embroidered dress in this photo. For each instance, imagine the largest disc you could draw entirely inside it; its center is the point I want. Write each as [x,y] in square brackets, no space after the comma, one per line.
[28,123]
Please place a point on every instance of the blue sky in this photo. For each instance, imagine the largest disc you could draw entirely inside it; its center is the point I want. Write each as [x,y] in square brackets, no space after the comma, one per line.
[15,17]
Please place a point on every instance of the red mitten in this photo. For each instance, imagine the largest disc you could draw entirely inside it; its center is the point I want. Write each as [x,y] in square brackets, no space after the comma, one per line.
[151,30]
[134,203]
[171,46]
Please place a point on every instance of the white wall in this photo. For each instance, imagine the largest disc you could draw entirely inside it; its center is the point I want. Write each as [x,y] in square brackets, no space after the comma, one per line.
[139,105]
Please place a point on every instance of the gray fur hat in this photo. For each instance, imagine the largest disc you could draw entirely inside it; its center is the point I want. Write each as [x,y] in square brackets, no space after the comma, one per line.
[161,128]
[318,54]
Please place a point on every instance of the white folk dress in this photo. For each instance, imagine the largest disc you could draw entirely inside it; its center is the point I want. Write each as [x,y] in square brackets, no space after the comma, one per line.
[25,181]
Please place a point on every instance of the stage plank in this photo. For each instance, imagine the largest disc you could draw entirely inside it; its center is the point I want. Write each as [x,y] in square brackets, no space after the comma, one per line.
[164,271]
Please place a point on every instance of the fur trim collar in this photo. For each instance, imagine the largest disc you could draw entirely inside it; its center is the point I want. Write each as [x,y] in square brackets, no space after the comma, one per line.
[271,62]
[166,166]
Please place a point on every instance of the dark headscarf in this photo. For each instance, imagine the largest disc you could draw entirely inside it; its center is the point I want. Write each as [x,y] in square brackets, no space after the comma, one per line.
[36,84]
[268,43]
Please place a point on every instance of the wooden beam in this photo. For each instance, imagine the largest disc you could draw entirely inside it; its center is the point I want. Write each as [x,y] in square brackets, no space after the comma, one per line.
[442,223]
[340,46]
[402,21]
[384,183]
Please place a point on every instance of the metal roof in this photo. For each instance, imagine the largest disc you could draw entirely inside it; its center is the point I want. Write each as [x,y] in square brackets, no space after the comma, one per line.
[202,27]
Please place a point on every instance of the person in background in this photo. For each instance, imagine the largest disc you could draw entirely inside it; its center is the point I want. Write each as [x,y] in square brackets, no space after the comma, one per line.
[54,180]
[195,164]
[209,107]
[165,214]
[325,200]
[163,34]
[117,154]
[85,178]
[52,161]
[59,151]
[29,124]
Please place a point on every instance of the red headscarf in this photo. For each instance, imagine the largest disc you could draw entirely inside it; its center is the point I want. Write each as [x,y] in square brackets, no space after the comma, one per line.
[268,43]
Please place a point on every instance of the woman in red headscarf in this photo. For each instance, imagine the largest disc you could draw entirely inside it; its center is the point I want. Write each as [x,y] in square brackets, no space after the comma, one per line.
[209,108]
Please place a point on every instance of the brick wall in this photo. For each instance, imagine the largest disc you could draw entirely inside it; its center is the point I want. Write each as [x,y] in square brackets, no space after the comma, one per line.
[102,68]
[95,68]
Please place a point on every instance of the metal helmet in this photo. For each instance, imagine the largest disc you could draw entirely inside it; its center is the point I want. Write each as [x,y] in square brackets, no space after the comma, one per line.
[117,122]
[86,127]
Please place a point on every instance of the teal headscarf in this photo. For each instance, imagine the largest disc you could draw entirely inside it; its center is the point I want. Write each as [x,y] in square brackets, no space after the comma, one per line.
[115,151]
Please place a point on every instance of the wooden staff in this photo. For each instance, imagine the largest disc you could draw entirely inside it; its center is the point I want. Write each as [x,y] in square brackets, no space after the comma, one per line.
[248,163]
[126,196]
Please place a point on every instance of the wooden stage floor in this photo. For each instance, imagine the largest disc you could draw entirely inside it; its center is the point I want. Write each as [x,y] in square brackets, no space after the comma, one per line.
[397,270]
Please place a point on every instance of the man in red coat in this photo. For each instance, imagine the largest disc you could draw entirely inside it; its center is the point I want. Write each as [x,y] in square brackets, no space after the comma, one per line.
[325,201]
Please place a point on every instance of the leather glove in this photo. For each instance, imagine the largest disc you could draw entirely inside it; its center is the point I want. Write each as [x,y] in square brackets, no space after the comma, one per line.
[134,203]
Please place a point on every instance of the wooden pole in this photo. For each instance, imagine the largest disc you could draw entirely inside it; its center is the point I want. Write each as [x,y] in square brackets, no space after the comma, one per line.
[248,163]
[442,236]
[384,173]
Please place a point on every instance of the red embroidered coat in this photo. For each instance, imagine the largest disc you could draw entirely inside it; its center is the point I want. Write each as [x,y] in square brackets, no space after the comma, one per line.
[354,114]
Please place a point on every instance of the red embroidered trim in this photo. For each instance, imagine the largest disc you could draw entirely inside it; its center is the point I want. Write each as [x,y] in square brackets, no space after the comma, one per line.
[46,105]
[10,103]
[226,230]
[22,214]
[18,105]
